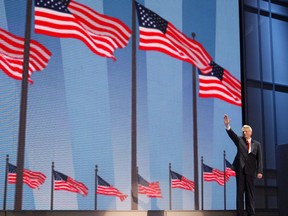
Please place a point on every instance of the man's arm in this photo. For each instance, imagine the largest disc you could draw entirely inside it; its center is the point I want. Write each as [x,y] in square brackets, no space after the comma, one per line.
[230,132]
[259,163]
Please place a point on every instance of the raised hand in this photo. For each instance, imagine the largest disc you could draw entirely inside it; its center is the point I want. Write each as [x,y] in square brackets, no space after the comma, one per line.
[226,120]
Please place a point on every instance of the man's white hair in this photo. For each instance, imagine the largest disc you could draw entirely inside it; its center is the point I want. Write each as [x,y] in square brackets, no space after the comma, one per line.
[247,126]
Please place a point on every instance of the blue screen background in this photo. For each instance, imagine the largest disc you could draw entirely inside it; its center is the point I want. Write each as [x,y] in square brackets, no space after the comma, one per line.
[79,110]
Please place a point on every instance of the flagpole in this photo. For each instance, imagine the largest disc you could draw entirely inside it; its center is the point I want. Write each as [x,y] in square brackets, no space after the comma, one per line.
[134,185]
[195,135]
[5,183]
[202,185]
[96,187]
[224,156]
[52,186]
[23,112]
[170,190]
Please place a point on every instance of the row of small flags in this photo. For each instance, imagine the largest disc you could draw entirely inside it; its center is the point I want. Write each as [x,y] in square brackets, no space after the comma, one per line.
[103,34]
[151,189]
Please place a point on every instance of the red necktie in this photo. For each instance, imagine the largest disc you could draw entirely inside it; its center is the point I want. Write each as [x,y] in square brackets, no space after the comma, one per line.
[248,145]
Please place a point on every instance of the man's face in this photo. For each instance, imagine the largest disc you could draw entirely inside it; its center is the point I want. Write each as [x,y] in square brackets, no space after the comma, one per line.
[246,133]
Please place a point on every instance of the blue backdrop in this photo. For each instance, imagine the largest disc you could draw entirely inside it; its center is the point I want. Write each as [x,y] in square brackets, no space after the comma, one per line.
[79,110]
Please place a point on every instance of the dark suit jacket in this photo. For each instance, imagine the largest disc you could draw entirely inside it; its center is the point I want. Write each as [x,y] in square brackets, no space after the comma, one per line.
[251,162]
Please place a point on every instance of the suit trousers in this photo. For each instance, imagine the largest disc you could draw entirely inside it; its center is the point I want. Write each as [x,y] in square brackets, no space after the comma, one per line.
[245,185]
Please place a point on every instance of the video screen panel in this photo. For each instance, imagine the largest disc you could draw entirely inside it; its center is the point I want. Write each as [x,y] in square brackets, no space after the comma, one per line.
[79,110]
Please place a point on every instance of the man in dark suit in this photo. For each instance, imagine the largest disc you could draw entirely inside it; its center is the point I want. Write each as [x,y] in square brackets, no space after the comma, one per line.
[247,163]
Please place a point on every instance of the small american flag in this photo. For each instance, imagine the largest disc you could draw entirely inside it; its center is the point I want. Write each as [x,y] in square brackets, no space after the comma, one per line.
[12,54]
[31,178]
[219,83]
[228,170]
[150,189]
[69,19]
[179,181]
[64,182]
[210,174]
[105,188]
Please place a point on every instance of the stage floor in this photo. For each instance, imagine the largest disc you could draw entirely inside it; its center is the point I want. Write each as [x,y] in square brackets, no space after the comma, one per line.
[131,213]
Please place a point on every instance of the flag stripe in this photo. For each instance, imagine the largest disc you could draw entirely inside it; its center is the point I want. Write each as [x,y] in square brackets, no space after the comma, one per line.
[183,184]
[228,170]
[111,191]
[12,55]
[64,25]
[200,58]
[13,67]
[101,24]
[210,177]
[175,44]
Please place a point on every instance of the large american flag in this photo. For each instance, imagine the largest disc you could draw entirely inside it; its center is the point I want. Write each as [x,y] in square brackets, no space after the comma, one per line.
[12,54]
[69,19]
[64,182]
[179,181]
[210,174]
[105,188]
[150,189]
[31,178]
[228,169]
[160,35]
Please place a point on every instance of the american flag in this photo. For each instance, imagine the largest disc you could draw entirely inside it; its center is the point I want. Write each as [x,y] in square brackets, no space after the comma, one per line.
[69,19]
[160,35]
[12,54]
[150,189]
[105,188]
[64,182]
[210,174]
[228,170]
[31,178]
[179,181]
[219,83]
